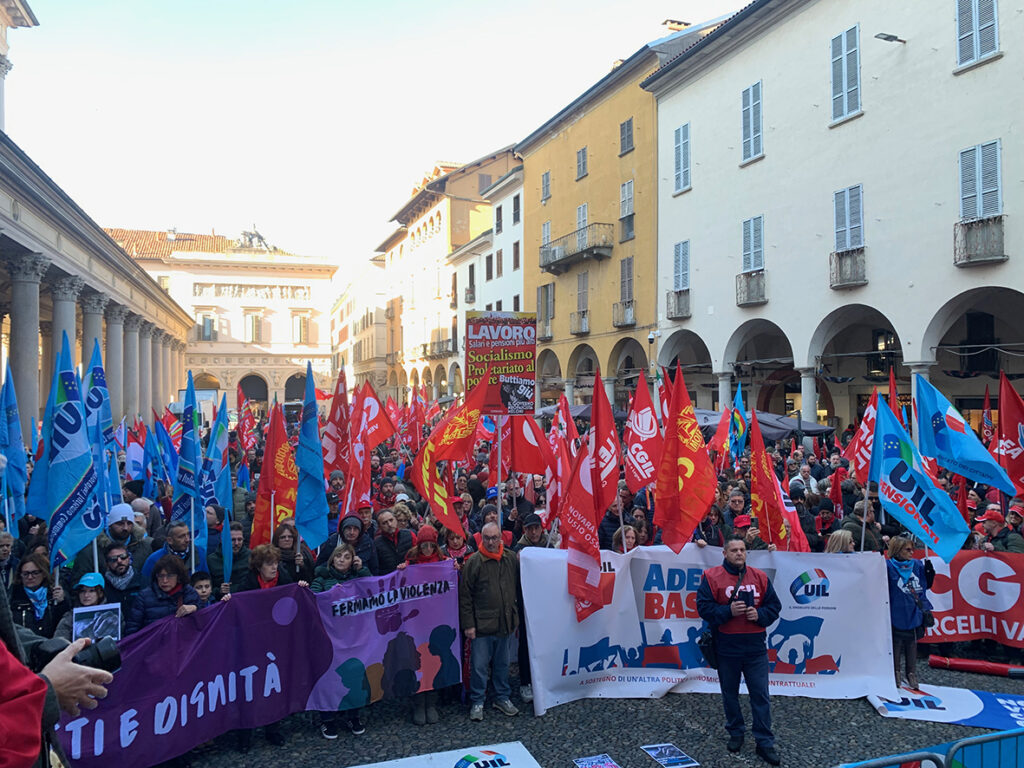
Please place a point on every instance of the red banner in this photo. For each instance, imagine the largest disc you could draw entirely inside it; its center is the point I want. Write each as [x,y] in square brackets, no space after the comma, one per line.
[507,341]
[978,596]
[858,452]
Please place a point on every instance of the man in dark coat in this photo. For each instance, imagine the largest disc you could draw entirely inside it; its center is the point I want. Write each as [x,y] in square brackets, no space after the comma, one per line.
[391,543]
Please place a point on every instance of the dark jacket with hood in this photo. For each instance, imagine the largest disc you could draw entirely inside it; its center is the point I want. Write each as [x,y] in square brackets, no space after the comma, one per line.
[390,552]
[153,604]
[364,546]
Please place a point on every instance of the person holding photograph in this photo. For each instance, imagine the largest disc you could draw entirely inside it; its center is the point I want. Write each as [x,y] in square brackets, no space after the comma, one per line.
[88,591]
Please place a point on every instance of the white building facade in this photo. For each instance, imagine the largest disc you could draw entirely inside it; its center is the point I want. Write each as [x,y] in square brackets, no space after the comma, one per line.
[837,190]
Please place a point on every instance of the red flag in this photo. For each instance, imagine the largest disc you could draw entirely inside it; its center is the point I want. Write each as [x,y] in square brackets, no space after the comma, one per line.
[987,429]
[1009,451]
[686,482]
[894,396]
[246,428]
[322,394]
[961,495]
[765,499]
[664,387]
[336,437]
[503,434]
[567,425]
[375,422]
[173,427]
[555,479]
[394,412]
[797,541]
[858,452]
[835,490]
[530,451]
[579,519]
[603,448]
[644,442]
[279,481]
[720,442]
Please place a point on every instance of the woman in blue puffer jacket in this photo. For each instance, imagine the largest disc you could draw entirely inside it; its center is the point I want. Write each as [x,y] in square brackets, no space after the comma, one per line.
[168,594]
[908,599]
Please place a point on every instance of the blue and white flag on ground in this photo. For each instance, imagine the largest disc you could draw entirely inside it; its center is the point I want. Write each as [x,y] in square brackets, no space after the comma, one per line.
[908,494]
[311,495]
[946,437]
[13,448]
[186,486]
[71,479]
[215,478]
[100,426]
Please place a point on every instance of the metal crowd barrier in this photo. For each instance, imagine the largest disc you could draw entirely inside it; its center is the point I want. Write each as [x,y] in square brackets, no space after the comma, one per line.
[1003,749]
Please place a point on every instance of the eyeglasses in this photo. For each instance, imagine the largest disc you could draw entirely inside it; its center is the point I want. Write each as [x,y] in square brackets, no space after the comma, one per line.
[31,573]
[118,558]
[491,538]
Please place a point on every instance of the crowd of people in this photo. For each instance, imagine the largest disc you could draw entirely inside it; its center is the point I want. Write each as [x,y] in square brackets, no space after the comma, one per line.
[151,567]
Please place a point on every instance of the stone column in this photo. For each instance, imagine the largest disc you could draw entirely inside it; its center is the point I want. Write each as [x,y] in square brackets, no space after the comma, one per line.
[168,371]
[146,371]
[609,389]
[26,271]
[92,325]
[724,390]
[157,382]
[5,67]
[705,398]
[921,368]
[808,395]
[114,359]
[180,358]
[46,362]
[570,390]
[65,293]
[132,324]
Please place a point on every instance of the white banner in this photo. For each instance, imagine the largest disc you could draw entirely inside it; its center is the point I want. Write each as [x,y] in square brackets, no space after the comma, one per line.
[832,639]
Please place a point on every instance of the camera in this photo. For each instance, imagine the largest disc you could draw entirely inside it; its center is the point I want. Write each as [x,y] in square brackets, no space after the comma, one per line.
[100,654]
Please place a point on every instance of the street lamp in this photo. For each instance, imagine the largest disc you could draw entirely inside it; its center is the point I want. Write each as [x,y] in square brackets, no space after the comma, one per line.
[885,36]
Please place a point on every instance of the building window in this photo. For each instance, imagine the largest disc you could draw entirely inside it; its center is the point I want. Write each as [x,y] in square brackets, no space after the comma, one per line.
[207,328]
[472,277]
[497,306]
[515,255]
[751,104]
[483,181]
[546,301]
[489,267]
[498,259]
[626,210]
[164,281]
[516,210]
[682,157]
[681,266]
[515,303]
[626,279]
[582,291]
[497,220]
[849,218]
[626,136]
[300,329]
[545,232]
[753,244]
[545,185]
[488,307]
[253,327]
[977,29]
[581,163]
[980,182]
[846,73]
[883,342]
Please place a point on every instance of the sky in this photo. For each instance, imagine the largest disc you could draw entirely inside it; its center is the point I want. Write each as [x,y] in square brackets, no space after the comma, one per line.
[311,119]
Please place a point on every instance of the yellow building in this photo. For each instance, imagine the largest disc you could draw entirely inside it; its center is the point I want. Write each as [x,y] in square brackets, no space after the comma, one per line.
[590,239]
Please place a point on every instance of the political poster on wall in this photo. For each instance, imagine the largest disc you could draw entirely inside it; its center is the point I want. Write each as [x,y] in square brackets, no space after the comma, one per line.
[977,596]
[507,341]
[829,642]
[235,665]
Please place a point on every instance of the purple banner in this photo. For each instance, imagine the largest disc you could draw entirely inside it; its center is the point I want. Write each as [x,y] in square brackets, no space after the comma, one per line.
[264,655]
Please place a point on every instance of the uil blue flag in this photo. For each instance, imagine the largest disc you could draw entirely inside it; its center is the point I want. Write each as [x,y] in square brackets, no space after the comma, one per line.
[71,480]
[215,478]
[13,447]
[153,465]
[168,456]
[100,426]
[186,504]
[311,496]
[946,437]
[908,494]
[243,477]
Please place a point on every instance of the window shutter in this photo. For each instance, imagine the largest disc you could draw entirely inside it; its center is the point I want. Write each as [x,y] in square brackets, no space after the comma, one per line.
[582,287]
[678,158]
[969,184]
[747,152]
[581,216]
[685,136]
[551,300]
[988,37]
[842,229]
[855,218]
[622,200]
[989,175]
[625,199]
[681,266]
[747,240]
[623,137]
[757,243]
[545,233]
[838,92]
[852,71]
[626,279]
[542,304]
[755,119]
[965,31]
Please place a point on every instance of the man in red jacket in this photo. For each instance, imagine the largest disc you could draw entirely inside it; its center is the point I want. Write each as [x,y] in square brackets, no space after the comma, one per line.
[739,603]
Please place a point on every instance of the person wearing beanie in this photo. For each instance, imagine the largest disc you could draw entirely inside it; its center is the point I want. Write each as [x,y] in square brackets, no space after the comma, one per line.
[121,529]
[825,522]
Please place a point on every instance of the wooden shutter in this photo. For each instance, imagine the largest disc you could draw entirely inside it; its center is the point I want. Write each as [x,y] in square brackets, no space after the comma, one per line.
[747,240]
[987,33]
[969,184]
[681,266]
[855,216]
[626,279]
[852,70]
[965,31]
[545,233]
[581,216]
[755,119]
[988,173]
[542,304]
[842,230]
[757,243]
[551,300]
[582,290]
[838,92]
[747,153]
[625,199]
[682,157]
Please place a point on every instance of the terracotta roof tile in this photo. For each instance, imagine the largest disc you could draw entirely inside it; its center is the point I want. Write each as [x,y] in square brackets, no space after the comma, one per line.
[146,244]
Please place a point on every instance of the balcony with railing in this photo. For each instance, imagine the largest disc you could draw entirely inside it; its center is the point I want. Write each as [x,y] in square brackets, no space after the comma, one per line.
[750,289]
[624,314]
[470,294]
[978,242]
[847,269]
[393,358]
[579,322]
[544,329]
[677,304]
[594,241]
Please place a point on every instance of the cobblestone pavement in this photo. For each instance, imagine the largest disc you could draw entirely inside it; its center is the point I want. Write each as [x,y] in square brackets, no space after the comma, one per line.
[810,733]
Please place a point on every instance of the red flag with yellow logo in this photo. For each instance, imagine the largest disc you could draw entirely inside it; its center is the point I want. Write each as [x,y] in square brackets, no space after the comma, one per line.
[279,480]
[686,482]
[765,501]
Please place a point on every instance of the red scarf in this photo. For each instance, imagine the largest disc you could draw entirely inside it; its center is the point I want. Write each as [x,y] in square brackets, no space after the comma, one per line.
[493,555]
[266,584]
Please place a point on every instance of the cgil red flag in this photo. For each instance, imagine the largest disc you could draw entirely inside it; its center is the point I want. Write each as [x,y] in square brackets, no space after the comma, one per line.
[720,442]
[337,450]
[603,447]
[530,450]
[797,541]
[567,425]
[765,499]
[858,452]
[579,517]
[279,479]
[686,481]
[357,474]
[644,442]
[375,421]
[1009,449]
[246,428]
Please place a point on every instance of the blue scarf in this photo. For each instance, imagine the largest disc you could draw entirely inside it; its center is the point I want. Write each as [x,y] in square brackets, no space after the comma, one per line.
[38,599]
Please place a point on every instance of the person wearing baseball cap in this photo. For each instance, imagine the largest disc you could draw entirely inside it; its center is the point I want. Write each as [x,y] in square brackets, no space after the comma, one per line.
[741,525]
[1014,518]
[121,529]
[998,538]
[89,590]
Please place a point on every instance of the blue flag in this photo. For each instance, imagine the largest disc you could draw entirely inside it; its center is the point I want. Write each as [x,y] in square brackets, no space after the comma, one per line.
[71,479]
[215,478]
[13,448]
[738,425]
[311,495]
[243,477]
[945,437]
[153,465]
[168,456]
[906,491]
[187,504]
[100,426]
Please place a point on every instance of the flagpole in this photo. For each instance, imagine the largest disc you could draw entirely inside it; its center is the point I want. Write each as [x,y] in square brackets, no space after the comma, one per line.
[501,507]
[273,515]
[192,527]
